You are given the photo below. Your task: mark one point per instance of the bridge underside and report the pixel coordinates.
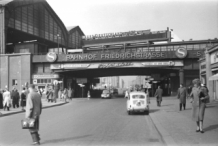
(93, 73)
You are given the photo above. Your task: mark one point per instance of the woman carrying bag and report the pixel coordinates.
(199, 98)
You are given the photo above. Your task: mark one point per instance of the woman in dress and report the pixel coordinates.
(199, 97)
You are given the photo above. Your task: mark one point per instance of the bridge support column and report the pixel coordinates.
(2, 30)
(209, 84)
(181, 76)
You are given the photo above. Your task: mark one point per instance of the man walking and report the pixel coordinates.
(15, 98)
(182, 95)
(33, 110)
(158, 94)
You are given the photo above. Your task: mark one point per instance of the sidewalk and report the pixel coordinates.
(177, 127)
(45, 104)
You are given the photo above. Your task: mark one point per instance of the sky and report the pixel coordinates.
(193, 19)
(189, 19)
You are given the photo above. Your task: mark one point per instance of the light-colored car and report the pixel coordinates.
(106, 94)
(138, 102)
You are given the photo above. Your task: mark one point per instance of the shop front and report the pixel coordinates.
(42, 81)
(209, 71)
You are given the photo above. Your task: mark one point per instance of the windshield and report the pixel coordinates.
(105, 91)
(138, 96)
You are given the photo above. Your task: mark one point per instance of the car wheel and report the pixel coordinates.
(147, 112)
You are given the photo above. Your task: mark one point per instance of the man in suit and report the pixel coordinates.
(158, 94)
(15, 98)
(182, 95)
(33, 111)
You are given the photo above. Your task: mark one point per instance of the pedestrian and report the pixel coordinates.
(50, 95)
(15, 98)
(65, 94)
(182, 95)
(158, 94)
(126, 94)
(88, 94)
(72, 93)
(60, 94)
(33, 111)
(189, 89)
(69, 92)
(7, 99)
(1, 99)
(148, 96)
(208, 99)
(40, 92)
(23, 99)
(199, 96)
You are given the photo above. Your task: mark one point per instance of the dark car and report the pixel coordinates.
(114, 91)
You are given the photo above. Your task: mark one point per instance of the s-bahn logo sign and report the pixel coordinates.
(181, 52)
(51, 57)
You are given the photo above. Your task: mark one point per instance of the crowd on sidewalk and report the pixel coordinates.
(14, 99)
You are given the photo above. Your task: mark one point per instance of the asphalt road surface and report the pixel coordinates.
(84, 122)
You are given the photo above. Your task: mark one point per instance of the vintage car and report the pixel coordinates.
(106, 94)
(138, 102)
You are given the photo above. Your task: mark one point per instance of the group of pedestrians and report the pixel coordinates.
(198, 95)
(13, 98)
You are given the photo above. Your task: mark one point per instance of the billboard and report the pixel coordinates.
(122, 37)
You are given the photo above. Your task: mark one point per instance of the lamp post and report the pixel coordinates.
(58, 41)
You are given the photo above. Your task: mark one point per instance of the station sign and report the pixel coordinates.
(159, 63)
(116, 56)
(81, 80)
(46, 76)
(116, 65)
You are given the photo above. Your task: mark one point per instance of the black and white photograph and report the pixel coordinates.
(109, 72)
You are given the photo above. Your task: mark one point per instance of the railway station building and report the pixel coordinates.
(35, 44)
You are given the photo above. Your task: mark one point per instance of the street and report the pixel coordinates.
(85, 122)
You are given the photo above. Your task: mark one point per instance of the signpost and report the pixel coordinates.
(81, 85)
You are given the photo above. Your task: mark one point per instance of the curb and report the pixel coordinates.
(17, 112)
(167, 138)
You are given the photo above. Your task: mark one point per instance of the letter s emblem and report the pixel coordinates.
(181, 53)
(51, 57)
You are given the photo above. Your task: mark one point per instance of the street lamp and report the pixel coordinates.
(58, 41)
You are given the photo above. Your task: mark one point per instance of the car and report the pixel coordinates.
(106, 94)
(137, 102)
(114, 92)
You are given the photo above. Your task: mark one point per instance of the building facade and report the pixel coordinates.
(209, 71)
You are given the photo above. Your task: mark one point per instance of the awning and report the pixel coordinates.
(214, 77)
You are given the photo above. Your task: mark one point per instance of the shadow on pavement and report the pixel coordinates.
(212, 127)
(154, 110)
(209, 106)
(64, 139)
(167, 105)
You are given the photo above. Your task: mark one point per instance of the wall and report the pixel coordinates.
(16, 66)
